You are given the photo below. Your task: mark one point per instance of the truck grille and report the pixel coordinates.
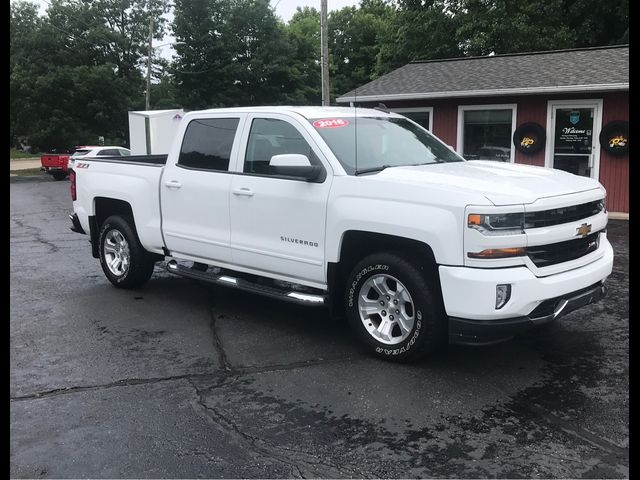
(545, 255)
(558, 216)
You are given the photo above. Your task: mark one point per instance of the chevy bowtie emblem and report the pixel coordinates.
(583, 230)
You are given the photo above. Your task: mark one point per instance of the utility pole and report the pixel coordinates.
(148, 99)
(324, 53)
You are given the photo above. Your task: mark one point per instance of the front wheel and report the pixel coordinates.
(394, 309)
(124, 260)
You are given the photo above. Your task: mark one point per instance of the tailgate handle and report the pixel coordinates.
(244, 192)
(173, 184)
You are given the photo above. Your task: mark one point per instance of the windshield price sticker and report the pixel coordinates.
(330, 123)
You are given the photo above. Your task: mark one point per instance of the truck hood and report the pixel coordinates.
(501, 183)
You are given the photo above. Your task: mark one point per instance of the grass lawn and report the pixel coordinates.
(13, 153)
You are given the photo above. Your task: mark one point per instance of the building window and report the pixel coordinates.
(423, 116)
(485, 132)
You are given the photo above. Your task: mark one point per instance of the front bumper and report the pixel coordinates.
(482, 332)
(469, 295)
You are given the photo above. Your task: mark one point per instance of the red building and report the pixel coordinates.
(566, 109)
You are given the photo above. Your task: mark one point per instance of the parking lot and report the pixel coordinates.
(183, 379)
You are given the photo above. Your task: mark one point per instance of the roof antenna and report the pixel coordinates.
(355, 125)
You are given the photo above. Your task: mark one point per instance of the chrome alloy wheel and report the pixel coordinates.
(116, 253)
(386, 309)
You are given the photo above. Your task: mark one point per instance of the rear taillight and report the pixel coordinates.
(72, 177)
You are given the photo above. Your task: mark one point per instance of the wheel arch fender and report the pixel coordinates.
(358, 244)
(103, 208)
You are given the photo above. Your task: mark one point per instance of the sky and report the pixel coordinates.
(284, 9)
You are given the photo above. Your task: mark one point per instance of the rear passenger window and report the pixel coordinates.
(207, 143)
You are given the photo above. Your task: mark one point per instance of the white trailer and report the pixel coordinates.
(151, 132)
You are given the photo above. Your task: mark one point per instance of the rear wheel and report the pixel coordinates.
(59, 176)
(394, 309)
(124, 260)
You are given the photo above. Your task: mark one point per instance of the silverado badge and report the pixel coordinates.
(583, 230)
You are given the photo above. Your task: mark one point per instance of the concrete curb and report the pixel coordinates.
(618, 216)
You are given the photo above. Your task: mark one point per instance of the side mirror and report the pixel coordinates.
(297, 166)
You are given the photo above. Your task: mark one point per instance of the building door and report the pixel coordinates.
(573, 129)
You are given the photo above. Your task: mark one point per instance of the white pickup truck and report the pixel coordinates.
(361, 210)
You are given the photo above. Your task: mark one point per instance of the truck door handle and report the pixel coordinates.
(173, 184)
(244, 192)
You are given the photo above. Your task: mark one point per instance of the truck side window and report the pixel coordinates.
(269, 137)
(207, 143)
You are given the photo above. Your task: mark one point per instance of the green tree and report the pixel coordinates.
(505, 26)
(356, 35)
(235, 52)
(419, 30)
(303, 31)
(76, 71)
(508, 26)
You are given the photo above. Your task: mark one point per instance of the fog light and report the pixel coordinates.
(503, 294)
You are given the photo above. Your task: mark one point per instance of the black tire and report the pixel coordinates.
(141, 262)
(614, 137)
(59, 176)
(429, 332)
(535, 136)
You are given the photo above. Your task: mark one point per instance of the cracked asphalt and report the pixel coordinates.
(184, 380)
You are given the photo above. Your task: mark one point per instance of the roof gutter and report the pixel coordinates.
(487, 93)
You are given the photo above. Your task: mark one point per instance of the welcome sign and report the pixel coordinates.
(574, 130)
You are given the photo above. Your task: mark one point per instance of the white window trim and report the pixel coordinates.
(597, 128)
(492, 106)
(417, 109)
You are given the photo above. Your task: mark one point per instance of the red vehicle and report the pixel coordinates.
(55, 162)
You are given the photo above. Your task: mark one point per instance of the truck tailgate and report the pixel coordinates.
(53, 160)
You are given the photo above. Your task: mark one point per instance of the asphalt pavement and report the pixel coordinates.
(185, 380)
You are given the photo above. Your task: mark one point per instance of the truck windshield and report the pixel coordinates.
(381, 142)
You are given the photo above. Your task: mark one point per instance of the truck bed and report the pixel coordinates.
(134, 180)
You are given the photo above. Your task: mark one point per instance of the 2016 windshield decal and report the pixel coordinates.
(330, 123)
(298, 241)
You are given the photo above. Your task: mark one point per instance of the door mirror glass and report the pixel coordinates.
(289, 160)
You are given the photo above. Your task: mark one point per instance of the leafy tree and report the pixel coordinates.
(509, 26)
(201, 55)
(235, 52)
(505, 26)
(303, 31)
(419, 29)
(259, 66)
(76, 71)
(597, 23)
(356, 36)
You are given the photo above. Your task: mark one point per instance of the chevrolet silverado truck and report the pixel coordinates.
(359, 210)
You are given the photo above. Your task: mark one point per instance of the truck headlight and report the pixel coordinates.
(497, 223)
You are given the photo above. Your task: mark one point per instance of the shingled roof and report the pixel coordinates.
(558, 71)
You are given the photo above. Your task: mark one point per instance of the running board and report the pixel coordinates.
(225, 280)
